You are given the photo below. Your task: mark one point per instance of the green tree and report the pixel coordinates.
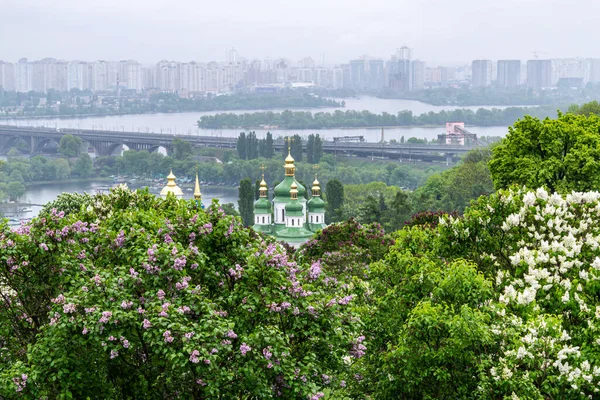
(256, 189)
(317, 149)
(229, 209)
(587, 109)
(15, 190)
(334, 191)
(251, 146)
(70, 146)
(310, 148)
(83, 166)
(145, 285)
(246, 202)
(297, 148)
(61, 168)
(241, 146)
(181, 149)
(269, 151)
(561, 154)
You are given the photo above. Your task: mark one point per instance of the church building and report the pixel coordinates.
(289, 217)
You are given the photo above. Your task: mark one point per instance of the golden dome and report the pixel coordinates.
(171, 187)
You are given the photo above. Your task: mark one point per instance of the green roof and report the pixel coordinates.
(316, 204)
(283, 189)
(262, 206)
(293, 209)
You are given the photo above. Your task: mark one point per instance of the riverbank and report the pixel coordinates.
(85, 116)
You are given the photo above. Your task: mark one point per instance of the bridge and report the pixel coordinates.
(36, 140)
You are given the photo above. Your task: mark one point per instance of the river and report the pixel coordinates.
(43, 193)
(185, 123)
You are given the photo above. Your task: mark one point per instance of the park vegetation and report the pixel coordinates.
(359, 119)
(87, 103)
(128, 295)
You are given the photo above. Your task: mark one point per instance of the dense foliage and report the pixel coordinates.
(135, 296)
(468, 96)
(560, 154)
(356, 119)
(77, 103)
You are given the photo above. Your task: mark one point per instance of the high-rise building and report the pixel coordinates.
(403, 53)
(23, 76)
(358, 74)
(7, 76)
(376, 75)
(167, 76)
(100, 76)
(400, 75)
(418, 75)
(539, 74)
(592, 70)
(481, 73)
(509, 73)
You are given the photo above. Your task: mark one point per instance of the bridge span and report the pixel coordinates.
(37, 139)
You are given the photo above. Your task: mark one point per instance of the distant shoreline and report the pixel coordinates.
(84, 116)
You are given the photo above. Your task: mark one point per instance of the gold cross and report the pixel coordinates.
(316, 168)
(262, 168)
(289, 141)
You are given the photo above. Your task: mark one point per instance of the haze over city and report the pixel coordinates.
(151, 30)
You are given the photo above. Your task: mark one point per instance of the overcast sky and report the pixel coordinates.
(439, 31)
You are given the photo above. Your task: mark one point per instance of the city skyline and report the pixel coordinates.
(186, 30)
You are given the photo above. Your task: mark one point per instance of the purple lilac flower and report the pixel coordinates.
(106, 315)
(231, 334)
(146, 324)
(267, 353)
(315, 270)
(167, 337)
(69, 308)
(244, 348)
(194, 357)
(120, 239)
(113, 354)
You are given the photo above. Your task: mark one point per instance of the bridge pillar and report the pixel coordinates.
(449, 158)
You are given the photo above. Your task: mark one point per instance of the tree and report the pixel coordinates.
(106, 299)
(269, 151)
(317, 149)
(587, 109)
(229, 209)
(15, 190)
(297, 148)
(257, 189)
(246, 202)
(83, 166)
(241, 146)
(62, 169)
(181, 149)
(310, 148)
(251, 146)
(70, 146)
(334, 191)
(560, 154)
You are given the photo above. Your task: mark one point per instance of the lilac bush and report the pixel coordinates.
(129, 295)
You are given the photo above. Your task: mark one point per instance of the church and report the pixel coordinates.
(289, 217)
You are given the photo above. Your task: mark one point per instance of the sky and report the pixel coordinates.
(440, 32)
